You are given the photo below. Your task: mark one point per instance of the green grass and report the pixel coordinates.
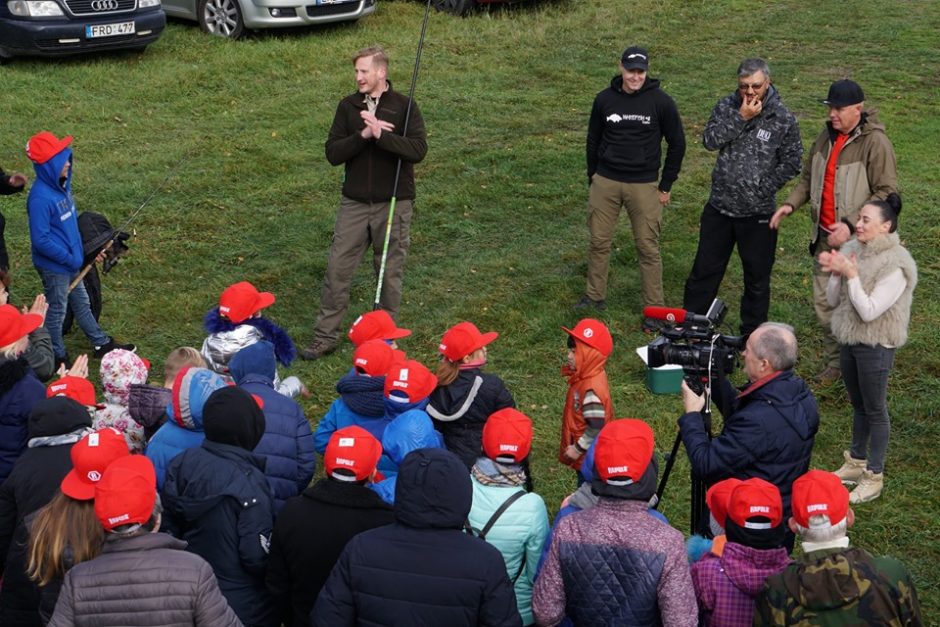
(499, 236)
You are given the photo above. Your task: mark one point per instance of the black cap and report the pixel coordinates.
(844, 93)
(635, 58)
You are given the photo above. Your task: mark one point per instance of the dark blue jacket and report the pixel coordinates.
(54, 237)
(422, 570)
(19, 391)
(768, 433)
(218, 500)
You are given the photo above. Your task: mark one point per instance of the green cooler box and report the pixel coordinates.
(662, 380)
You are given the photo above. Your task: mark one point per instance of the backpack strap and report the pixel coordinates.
(500, 511)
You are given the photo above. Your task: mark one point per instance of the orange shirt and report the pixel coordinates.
(827, 212)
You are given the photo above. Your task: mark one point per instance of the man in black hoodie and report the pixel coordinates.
(624, 148)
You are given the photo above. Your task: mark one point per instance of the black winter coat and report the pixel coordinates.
(310, 533)
(218, 500)
(19, 391)
(422, 570)
(460, 410)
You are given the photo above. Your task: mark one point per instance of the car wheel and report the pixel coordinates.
(457, 7)
(221, 17)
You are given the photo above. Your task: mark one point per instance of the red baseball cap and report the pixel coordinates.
(15, 325)
(819, 493)
(462, 339)
(375, 325)
(375, 357)
(90, 457)
(75, 388)
(352, 454)
(44, 146)
(410, 379)
(718, 496)
(126, 492)
(242, 300)
(595, 334)
(755, 498)
(507, 436)
(623, 451)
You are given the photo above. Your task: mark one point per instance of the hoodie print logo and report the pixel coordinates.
(65, 209)
(764, 135)
(616, 118)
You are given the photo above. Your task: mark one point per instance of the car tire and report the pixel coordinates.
(221, 17)
(456, 7)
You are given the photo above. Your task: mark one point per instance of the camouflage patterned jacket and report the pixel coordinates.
(834, 587)
(755, 157)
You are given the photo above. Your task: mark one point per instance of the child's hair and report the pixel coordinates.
(571, 342)
(180, 358)
(447, 371)
(65, 523)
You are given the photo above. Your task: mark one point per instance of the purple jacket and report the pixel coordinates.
(726, 586)
(614, 564)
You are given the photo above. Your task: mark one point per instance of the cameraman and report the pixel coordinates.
(769, 425)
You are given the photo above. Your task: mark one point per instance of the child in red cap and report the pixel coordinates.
(376, 325)
(588, 406)
(466, 396)
(237, 322)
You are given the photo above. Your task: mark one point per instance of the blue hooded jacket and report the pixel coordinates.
(55, 240)
(287, 443)
(183, 429)
(361, 403)
(408, 432)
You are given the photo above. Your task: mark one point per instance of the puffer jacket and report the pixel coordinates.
(615, 565)
(183, 430)
(147, 406)
(20, 390)
(422, 570)
(54, 426)
(218, 500)
(54, 238)
(408, 432)
(39, 354)
(768, 433)
(726, 586)
(119, 370)
(461, 408)
(142, 581)
(361, 403)
(287, 443)
(756, 157)
(519, 534)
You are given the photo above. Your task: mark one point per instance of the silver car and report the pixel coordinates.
(230, 18)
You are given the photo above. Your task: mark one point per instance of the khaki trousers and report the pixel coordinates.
(830, 348)
(359, 225)
(641, 201)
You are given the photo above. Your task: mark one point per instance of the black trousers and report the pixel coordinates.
(757, 245)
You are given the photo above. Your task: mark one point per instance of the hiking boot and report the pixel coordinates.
(868, 488)
(652, 325)
(586, 302)
(828, 376)
(101, 351)
(316, 350)
(851, 470)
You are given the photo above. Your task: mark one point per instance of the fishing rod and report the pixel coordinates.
(404, 133)
(117, 232)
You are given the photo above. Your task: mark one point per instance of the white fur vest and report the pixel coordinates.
(875, 260)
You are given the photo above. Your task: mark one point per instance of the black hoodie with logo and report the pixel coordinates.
(625, 134)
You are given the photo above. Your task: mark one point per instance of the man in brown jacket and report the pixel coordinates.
(142, 578)
(851, 163)
(369, 137)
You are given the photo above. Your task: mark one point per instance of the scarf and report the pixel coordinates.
(488, 472)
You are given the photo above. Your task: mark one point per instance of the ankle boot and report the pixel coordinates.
(851, 470)
(868, 488)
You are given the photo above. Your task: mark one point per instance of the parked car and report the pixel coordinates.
(230, 18)
(65, 27)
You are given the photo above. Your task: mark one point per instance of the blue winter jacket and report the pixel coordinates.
(361, 403)
(422, 570)
(20, 390)
(768, 433)
(55, 241)
(183, 429)
(408, 432)
(518, 533)
(287, 444)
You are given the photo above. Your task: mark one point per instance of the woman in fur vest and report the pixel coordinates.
(873, 278)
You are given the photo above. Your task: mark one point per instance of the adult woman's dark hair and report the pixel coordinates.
(890, 209)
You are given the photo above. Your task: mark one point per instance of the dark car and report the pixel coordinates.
(65, 27)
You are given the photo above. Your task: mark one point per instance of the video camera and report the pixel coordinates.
(692, 341)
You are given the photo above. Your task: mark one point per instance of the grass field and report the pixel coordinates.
(499, 236)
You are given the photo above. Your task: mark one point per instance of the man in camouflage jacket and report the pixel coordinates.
(834, 584)
(759, 150)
